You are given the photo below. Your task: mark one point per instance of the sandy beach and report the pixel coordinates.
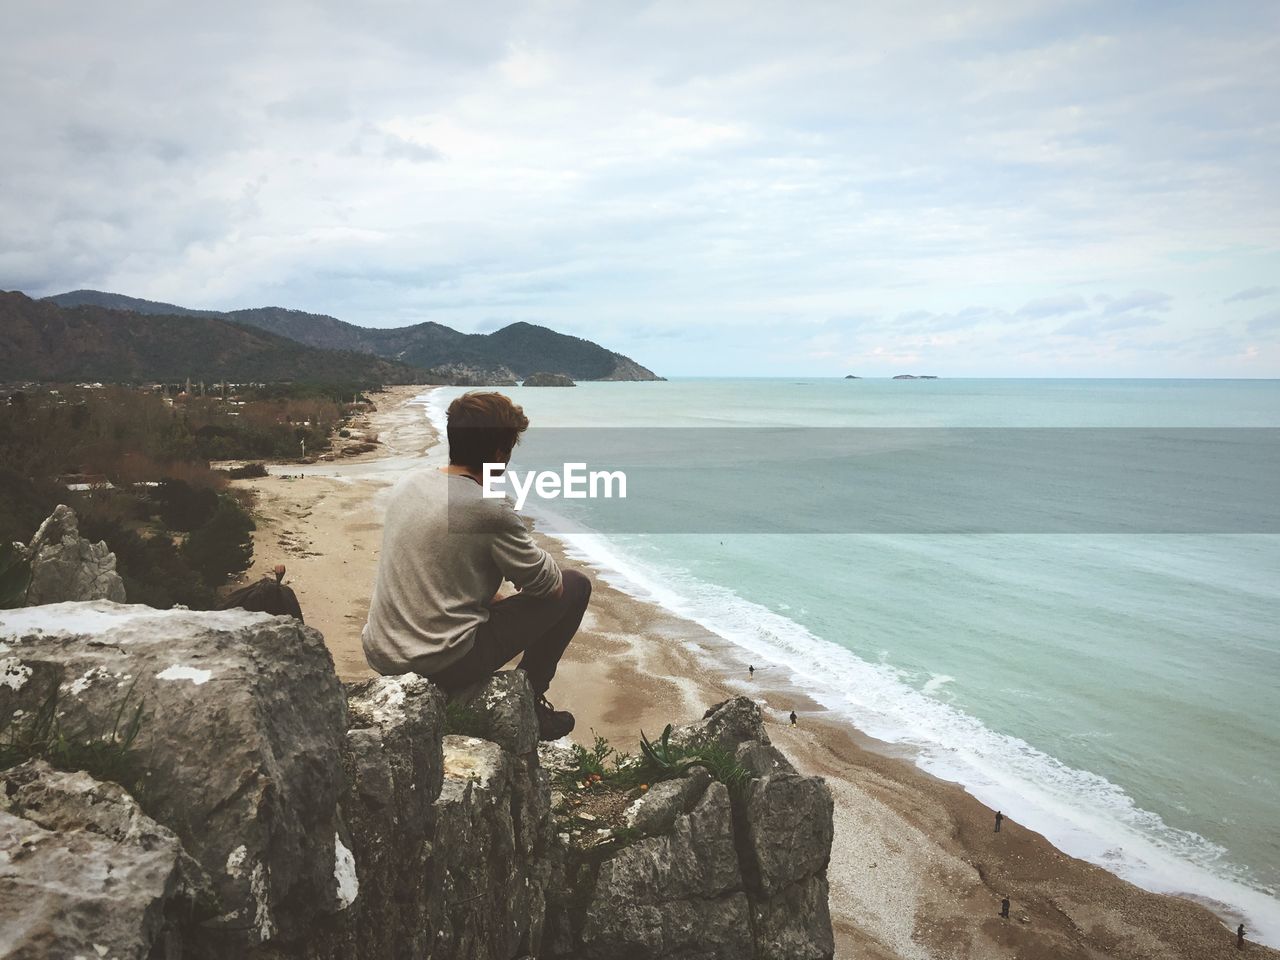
(917, 870)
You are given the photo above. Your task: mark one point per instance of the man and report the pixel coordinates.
(446, 550)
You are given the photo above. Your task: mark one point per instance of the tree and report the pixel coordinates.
(182, 506)
(153, 569)
(224, 545)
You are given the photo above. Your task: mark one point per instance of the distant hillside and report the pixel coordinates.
(116, 301)
(44, 341)
(524, 348)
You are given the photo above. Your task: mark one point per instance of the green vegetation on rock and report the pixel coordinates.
(104, 752)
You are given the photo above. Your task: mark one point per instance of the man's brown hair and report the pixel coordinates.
(481, 425)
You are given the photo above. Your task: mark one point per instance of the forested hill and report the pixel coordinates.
(44, 341)
(524, 348)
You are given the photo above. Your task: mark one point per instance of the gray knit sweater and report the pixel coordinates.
(445, 551)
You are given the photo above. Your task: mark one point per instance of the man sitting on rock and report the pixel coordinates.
(446, 549)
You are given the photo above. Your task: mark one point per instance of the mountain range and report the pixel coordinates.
(519, 348)
(43, 341)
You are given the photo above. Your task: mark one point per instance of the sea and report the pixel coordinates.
(1118, 692)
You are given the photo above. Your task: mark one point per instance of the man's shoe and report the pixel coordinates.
(552, 723)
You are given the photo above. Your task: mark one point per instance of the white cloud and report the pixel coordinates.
(1252, 293)
(1136, 301)
(624, 171)
(1054, 306)
(1266, 324)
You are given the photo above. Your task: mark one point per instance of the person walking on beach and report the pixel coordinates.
(1004, 908)
(751, 670)
(1240, 937)
(794, 718)
(446, 549)
(999, 820)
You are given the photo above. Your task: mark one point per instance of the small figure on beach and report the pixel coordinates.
(794, 718)
(751, 669)
(1240, 937)
(1004, 908)
(999, 820)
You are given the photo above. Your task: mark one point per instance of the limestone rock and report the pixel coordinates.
(394, 768)
(556, 757)
(762, 759)
(728, 724)
(494, 903)
(503, 705)
(795, 924)
(677, 895)
(84, 872)
(656, 811)
(238, 749)
(787, 822)
(395, 725)
(65, 566)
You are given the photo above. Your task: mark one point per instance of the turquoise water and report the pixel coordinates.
(1118, 693)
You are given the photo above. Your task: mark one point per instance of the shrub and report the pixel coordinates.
(663, 760)
(182, 506)
(249, 471)
(24, 503)
(593, 761)
(658, 760)
(154, 571)
(15, 577)
(224, 545)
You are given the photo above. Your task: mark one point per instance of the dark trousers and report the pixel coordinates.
(541, 627)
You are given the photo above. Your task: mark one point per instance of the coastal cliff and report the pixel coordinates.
(234, 799)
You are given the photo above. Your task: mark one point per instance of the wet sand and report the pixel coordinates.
(917, 870)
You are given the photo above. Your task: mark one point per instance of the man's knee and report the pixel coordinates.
(577, 586)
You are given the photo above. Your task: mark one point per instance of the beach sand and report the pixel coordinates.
(916, 871)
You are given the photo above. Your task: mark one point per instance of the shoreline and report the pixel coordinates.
(916, 869)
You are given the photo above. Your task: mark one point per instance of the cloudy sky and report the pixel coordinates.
(998, 187)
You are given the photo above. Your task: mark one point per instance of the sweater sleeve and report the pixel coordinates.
(523, 562)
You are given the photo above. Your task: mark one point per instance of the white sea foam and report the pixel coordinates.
(936, 683)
